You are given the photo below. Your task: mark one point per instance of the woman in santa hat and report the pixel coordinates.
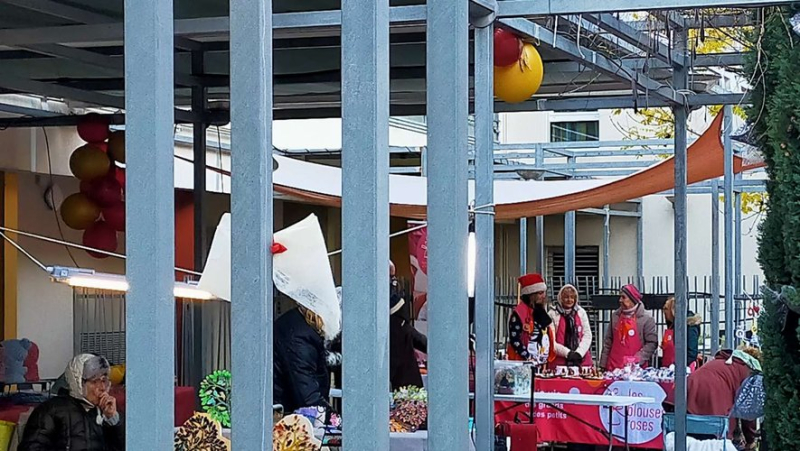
(572, 330)
(530, 328)
(632, 337)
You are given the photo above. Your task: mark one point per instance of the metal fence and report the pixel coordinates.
(700, 303)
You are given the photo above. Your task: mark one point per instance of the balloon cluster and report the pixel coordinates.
(518, 68)
(99, 207)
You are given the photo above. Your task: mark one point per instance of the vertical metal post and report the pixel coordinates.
(484, 234)
(447, 104)
(365, 222)
(606, 248)
(523, 246)
(737, 259)
(640, 241)
(730, 305)
(199, 147)
(569, 247)
(252, 304)
(714, 266)
(681, 257)
(541, 265)
(150, 316)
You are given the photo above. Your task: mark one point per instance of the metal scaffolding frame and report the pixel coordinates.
(61, 50)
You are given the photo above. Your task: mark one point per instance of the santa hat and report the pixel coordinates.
(632, 292)
(531, 283)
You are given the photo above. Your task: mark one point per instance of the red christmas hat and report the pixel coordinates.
(531, 283)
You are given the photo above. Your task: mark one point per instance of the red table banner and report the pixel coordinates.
(583, 424)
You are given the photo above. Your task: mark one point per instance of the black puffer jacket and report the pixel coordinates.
(301, 377)
(63, 424)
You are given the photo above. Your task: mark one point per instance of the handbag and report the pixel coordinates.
(750, 398)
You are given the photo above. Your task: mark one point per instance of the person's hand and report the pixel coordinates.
(574, 359)
(108, 405)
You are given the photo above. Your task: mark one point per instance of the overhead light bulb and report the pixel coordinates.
(82, 278)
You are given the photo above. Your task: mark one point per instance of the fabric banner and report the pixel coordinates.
(418, 254)
(582, 424)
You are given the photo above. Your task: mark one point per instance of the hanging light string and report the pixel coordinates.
(393, 235)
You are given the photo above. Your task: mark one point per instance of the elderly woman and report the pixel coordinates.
(693, 323)
(85, 418)
(573, 332)
(632, 336)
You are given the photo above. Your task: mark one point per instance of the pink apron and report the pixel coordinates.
(626, 345)
(561, 339)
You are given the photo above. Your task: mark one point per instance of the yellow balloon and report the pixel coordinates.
(518, 82)
(117, 374)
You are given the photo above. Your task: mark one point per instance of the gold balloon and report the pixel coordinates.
(117, 374)
(518, 82)
(116, 145)
(89, 162)
(79, 212)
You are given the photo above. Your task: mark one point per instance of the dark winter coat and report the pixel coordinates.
(64, 424)
(301, 377)
(404, 340)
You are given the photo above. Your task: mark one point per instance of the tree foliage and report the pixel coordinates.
(775, 113)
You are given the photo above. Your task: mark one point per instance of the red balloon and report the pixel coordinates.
(93, 128)
(119, 174)
(105, 191)
(507, 48)
(115, 216)
(100, 236)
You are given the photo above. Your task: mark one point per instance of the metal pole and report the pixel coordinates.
(569, 247)
(523, 246)
(606, 247)
(484, 234)
(199, 147)
(715, 266)
(640, 242)
(681, 258)
(730, 305)
(252, 304)
(447, 105)
(541, 265)
(737, 259)
(150, 315)
(365, 222)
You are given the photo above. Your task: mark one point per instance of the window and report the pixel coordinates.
(587, 269)
(574, 131)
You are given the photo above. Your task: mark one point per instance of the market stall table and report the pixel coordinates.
(586, 421)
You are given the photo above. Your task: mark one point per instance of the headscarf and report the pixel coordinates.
(82, 368)
(571, 338)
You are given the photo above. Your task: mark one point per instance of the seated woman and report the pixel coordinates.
(632, 336)
(573, 332)
(693, 323)
(84, 418)
(711, 390)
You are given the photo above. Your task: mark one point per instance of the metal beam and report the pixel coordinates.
(523, 246)
(681, 113)
(606, 247)
(251, 223)
(591, 102)
(484, 238)
(527, 8)
(54, 90)
(199, 98)
(727, 126)
(541, 266)
(150, 315)
(715, 307)
(365, 222)
(627, 33)
(591, 58)
(569, 247)
(285, 26)
(640, 242)
(447, 105)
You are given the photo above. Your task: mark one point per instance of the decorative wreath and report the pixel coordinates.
(215, 396)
